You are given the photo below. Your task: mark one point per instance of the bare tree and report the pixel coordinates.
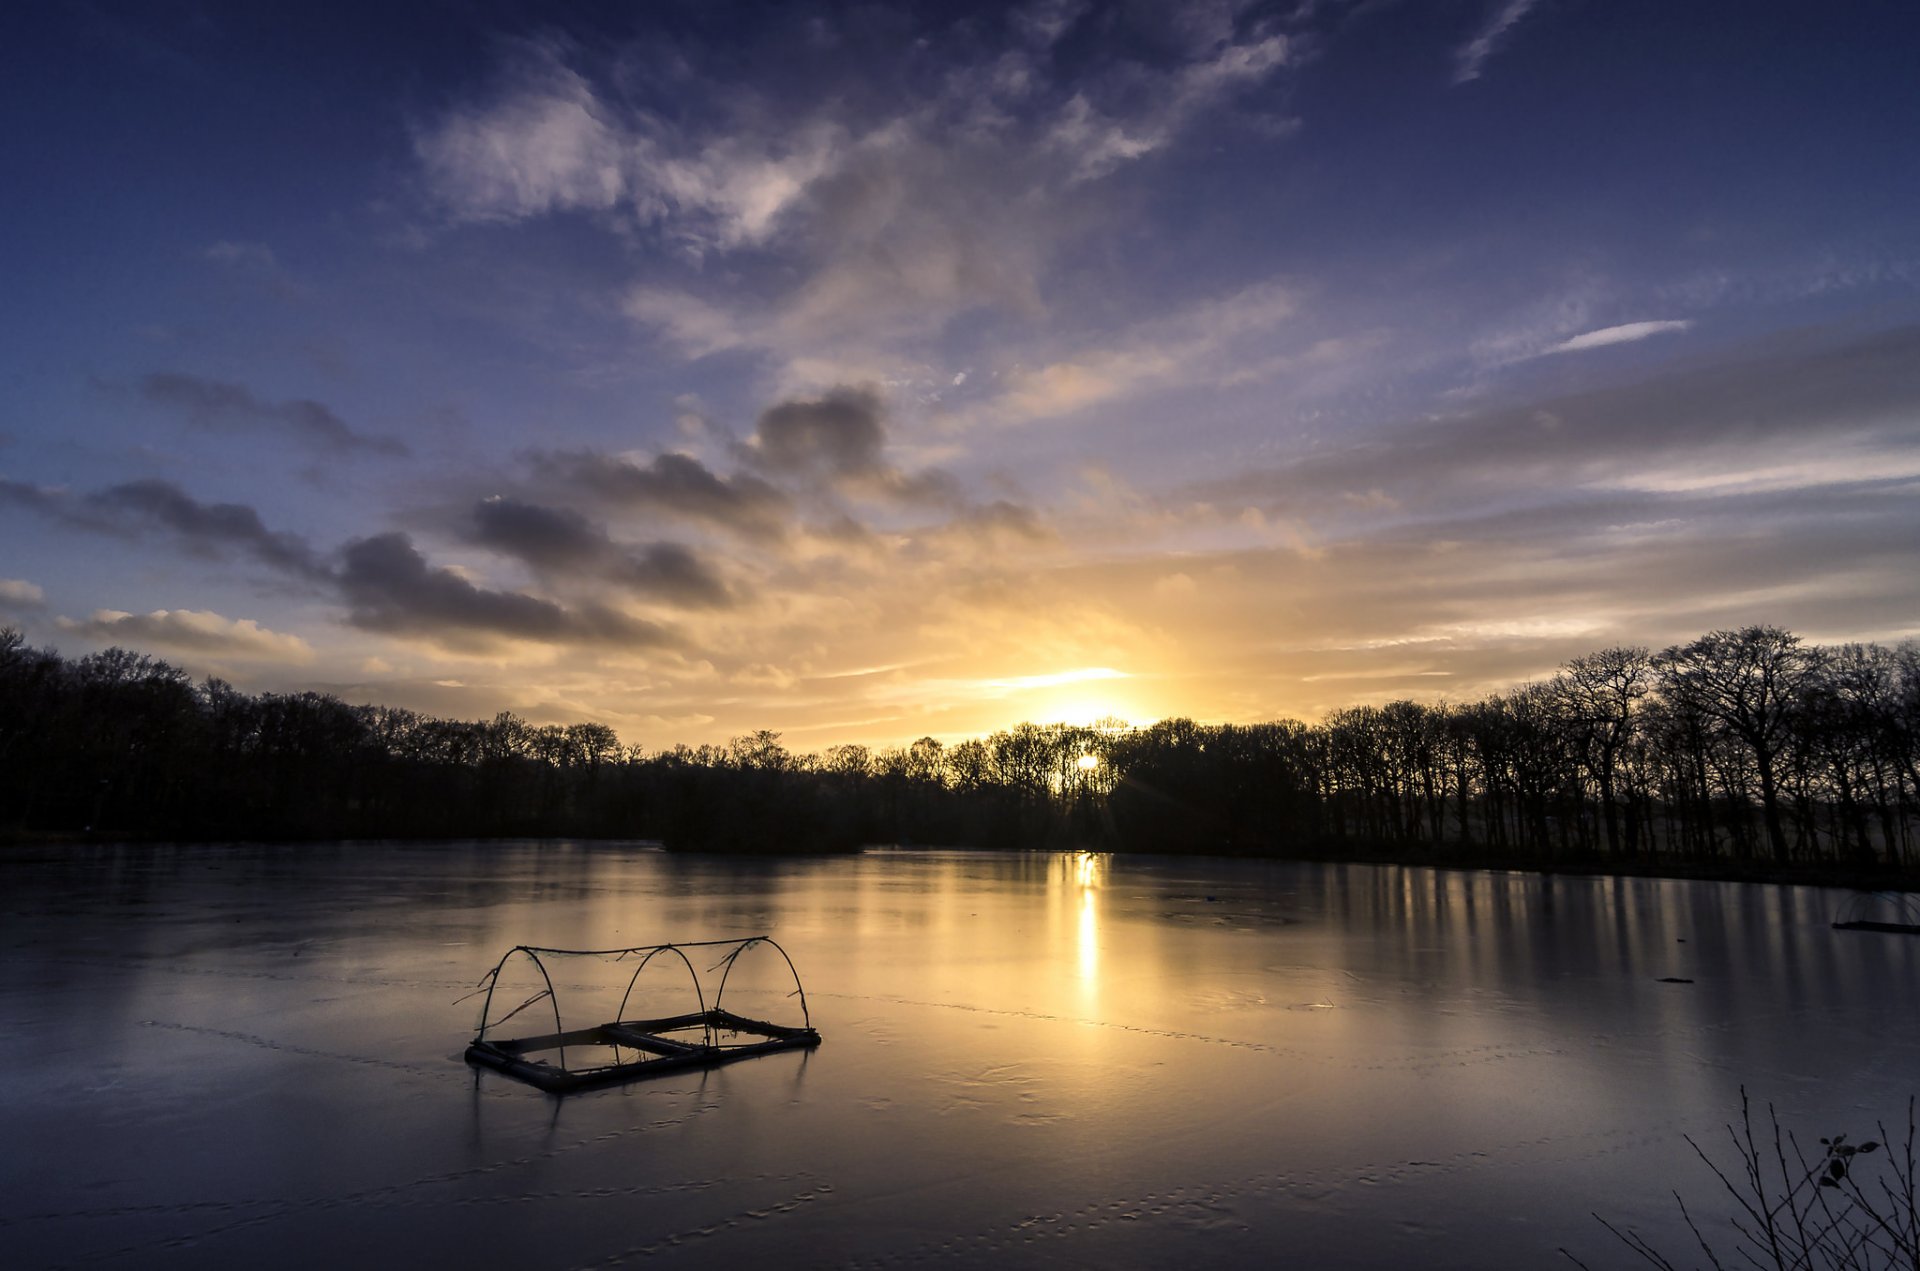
(1745, 681)
(1602, 693)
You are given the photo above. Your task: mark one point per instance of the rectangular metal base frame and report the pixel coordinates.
(647, 1037)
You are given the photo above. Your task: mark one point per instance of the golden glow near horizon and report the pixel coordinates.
(1079, 676)
(1064, 697)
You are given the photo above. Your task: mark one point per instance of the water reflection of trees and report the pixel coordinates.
(1741, 745)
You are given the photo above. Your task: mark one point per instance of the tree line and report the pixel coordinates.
(1746, 746)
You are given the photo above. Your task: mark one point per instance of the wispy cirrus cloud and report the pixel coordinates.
(1216, 341)
(1824, 413)
(864, 222)
(549, 140)
(1094, 143)
(1625, 333)
(1471, 58)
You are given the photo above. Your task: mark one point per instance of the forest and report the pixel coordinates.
(1746, 748)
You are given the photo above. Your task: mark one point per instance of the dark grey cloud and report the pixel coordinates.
(205, 527)
(389, 587)
(841, 438)
(34, 497)
(1005, 517)
(840, 434)
(134, 508)
(673, 571)
(548, 538)
(561, 541)
(672, 484)
(214, 404)
(385, 582)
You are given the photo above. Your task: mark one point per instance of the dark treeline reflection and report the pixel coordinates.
(1743, 746)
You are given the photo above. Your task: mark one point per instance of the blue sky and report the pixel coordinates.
(870, 371)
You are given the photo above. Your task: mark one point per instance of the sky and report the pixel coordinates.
(864, 372)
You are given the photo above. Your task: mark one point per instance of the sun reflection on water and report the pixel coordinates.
(1089, 871)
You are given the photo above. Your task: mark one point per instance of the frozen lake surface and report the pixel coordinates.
(251, 1055)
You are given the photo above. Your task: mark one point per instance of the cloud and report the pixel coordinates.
(47, 500)
(1095, 144)
(1834, 404)
(1221, 341)
(386, 584)
(551, 538)
(545, 144)
(201, 527)
(17, 593)
(997, 526)
(1470, 58)
(192, 631)
(698, 327)
(944, 180)
(722, 166)
(390, 587)
(1623, 334)
(672, 484)
(563, 542)
(839, 439)
(839, 434)
(133, 508)
(214, 404)
(550, 142)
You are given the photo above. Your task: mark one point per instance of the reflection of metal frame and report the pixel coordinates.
(700, 1038)
(1853, 915)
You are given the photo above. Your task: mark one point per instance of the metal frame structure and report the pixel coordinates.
(660, 1045)
(1904, 910)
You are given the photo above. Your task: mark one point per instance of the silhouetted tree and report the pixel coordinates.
(1744, 681)
(1741, 743)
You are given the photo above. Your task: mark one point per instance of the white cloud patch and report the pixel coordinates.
(194, 632)
(1208, 342)
(18, 593)
(1095, 143)
(1470, 58)
(852, 225)
(1626, 333)
(550, 142)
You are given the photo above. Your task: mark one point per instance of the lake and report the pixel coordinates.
(252, 1055)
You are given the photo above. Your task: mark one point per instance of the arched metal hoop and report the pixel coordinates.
(806, 1019)
(699, 994)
